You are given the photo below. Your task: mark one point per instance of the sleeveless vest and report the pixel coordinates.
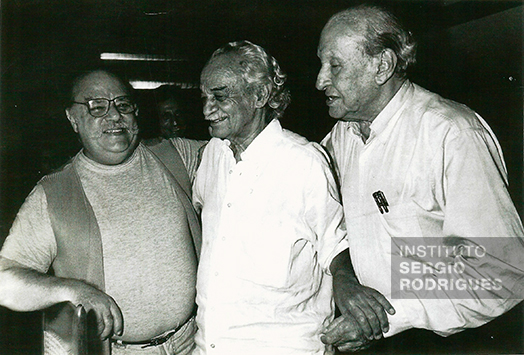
(77, 234)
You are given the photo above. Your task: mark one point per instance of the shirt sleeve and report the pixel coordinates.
(31, 240)
(190, 151)
(470, 185)
(324, 212)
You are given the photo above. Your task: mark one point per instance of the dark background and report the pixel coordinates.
(469, 51)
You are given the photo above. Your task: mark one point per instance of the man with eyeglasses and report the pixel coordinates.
(117, 229)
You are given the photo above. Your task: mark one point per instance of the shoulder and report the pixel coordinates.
(301, 148)
(338, 134)
(57, 175)
(187, 144)
(213, 146)
(436, 110)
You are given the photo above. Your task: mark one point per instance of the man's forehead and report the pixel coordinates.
(338, 38)
(223, 70)
(100, 84)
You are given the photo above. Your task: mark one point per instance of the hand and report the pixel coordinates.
(108, 315)
(366, 306)
(345, 334)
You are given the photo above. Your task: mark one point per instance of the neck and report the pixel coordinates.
(240, 144)
(388, 91)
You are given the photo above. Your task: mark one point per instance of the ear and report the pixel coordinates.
(386, 67)
(261, 96)
(71, 119)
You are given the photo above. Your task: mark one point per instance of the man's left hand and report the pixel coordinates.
(345, 334)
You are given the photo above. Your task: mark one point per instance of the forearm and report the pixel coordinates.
(23, 289)
(342, 269)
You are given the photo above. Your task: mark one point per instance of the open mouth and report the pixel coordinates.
(116, 131)
(218, 120)
(331, 99)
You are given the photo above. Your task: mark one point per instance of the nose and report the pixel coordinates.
(209, 106)
(322, 78)
(112, 113)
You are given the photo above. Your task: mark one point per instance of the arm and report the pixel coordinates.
(191, 153)
(24, 289)
(27, 254)
(478, 211)
(363, 309)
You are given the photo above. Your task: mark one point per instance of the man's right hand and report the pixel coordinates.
(360, 305)
(367, 306)
(108, 315)
(25, 289)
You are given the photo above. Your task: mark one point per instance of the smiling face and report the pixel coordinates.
(232, 109)
(347, 75)
(109, 139)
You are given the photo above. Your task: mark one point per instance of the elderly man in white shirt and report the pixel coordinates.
(431, 225)
(272, 219)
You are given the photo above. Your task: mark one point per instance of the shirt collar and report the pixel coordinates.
(384, 117)
(117, 167)
(267, 139)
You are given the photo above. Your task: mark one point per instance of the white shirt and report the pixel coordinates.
(272, 223)
(442, 173)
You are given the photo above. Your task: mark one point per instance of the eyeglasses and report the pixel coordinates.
(100, 107)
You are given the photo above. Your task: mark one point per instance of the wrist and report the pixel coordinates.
(345, 276)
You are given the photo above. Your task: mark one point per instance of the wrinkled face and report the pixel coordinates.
(229, 107)
(172, 119)
(347, 74)
(109, 139)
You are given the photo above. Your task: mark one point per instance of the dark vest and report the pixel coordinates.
(79, 244)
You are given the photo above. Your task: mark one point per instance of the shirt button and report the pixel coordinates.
(230, 172)
(212, 345)
(223, 238)
(216, 273)
(229, 205)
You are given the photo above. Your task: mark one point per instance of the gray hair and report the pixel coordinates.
(260, 69)
(381, 30)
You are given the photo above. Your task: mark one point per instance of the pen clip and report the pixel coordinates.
(380, 200)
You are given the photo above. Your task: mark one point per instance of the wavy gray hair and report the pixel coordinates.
(381, 30)
(260, 68)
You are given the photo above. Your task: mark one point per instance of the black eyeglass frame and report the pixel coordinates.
(89, 104)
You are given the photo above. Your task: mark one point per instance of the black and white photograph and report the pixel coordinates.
(261, 177)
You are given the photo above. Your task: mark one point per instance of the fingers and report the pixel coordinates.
(345, 334)
(368, 322)
(109, 320)
(384, 302)
(380, 307)
(342, 330)
(369, 308)
(331, 326)
(353, 346)
(118, 319)
(105, 325)
(367, 313)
